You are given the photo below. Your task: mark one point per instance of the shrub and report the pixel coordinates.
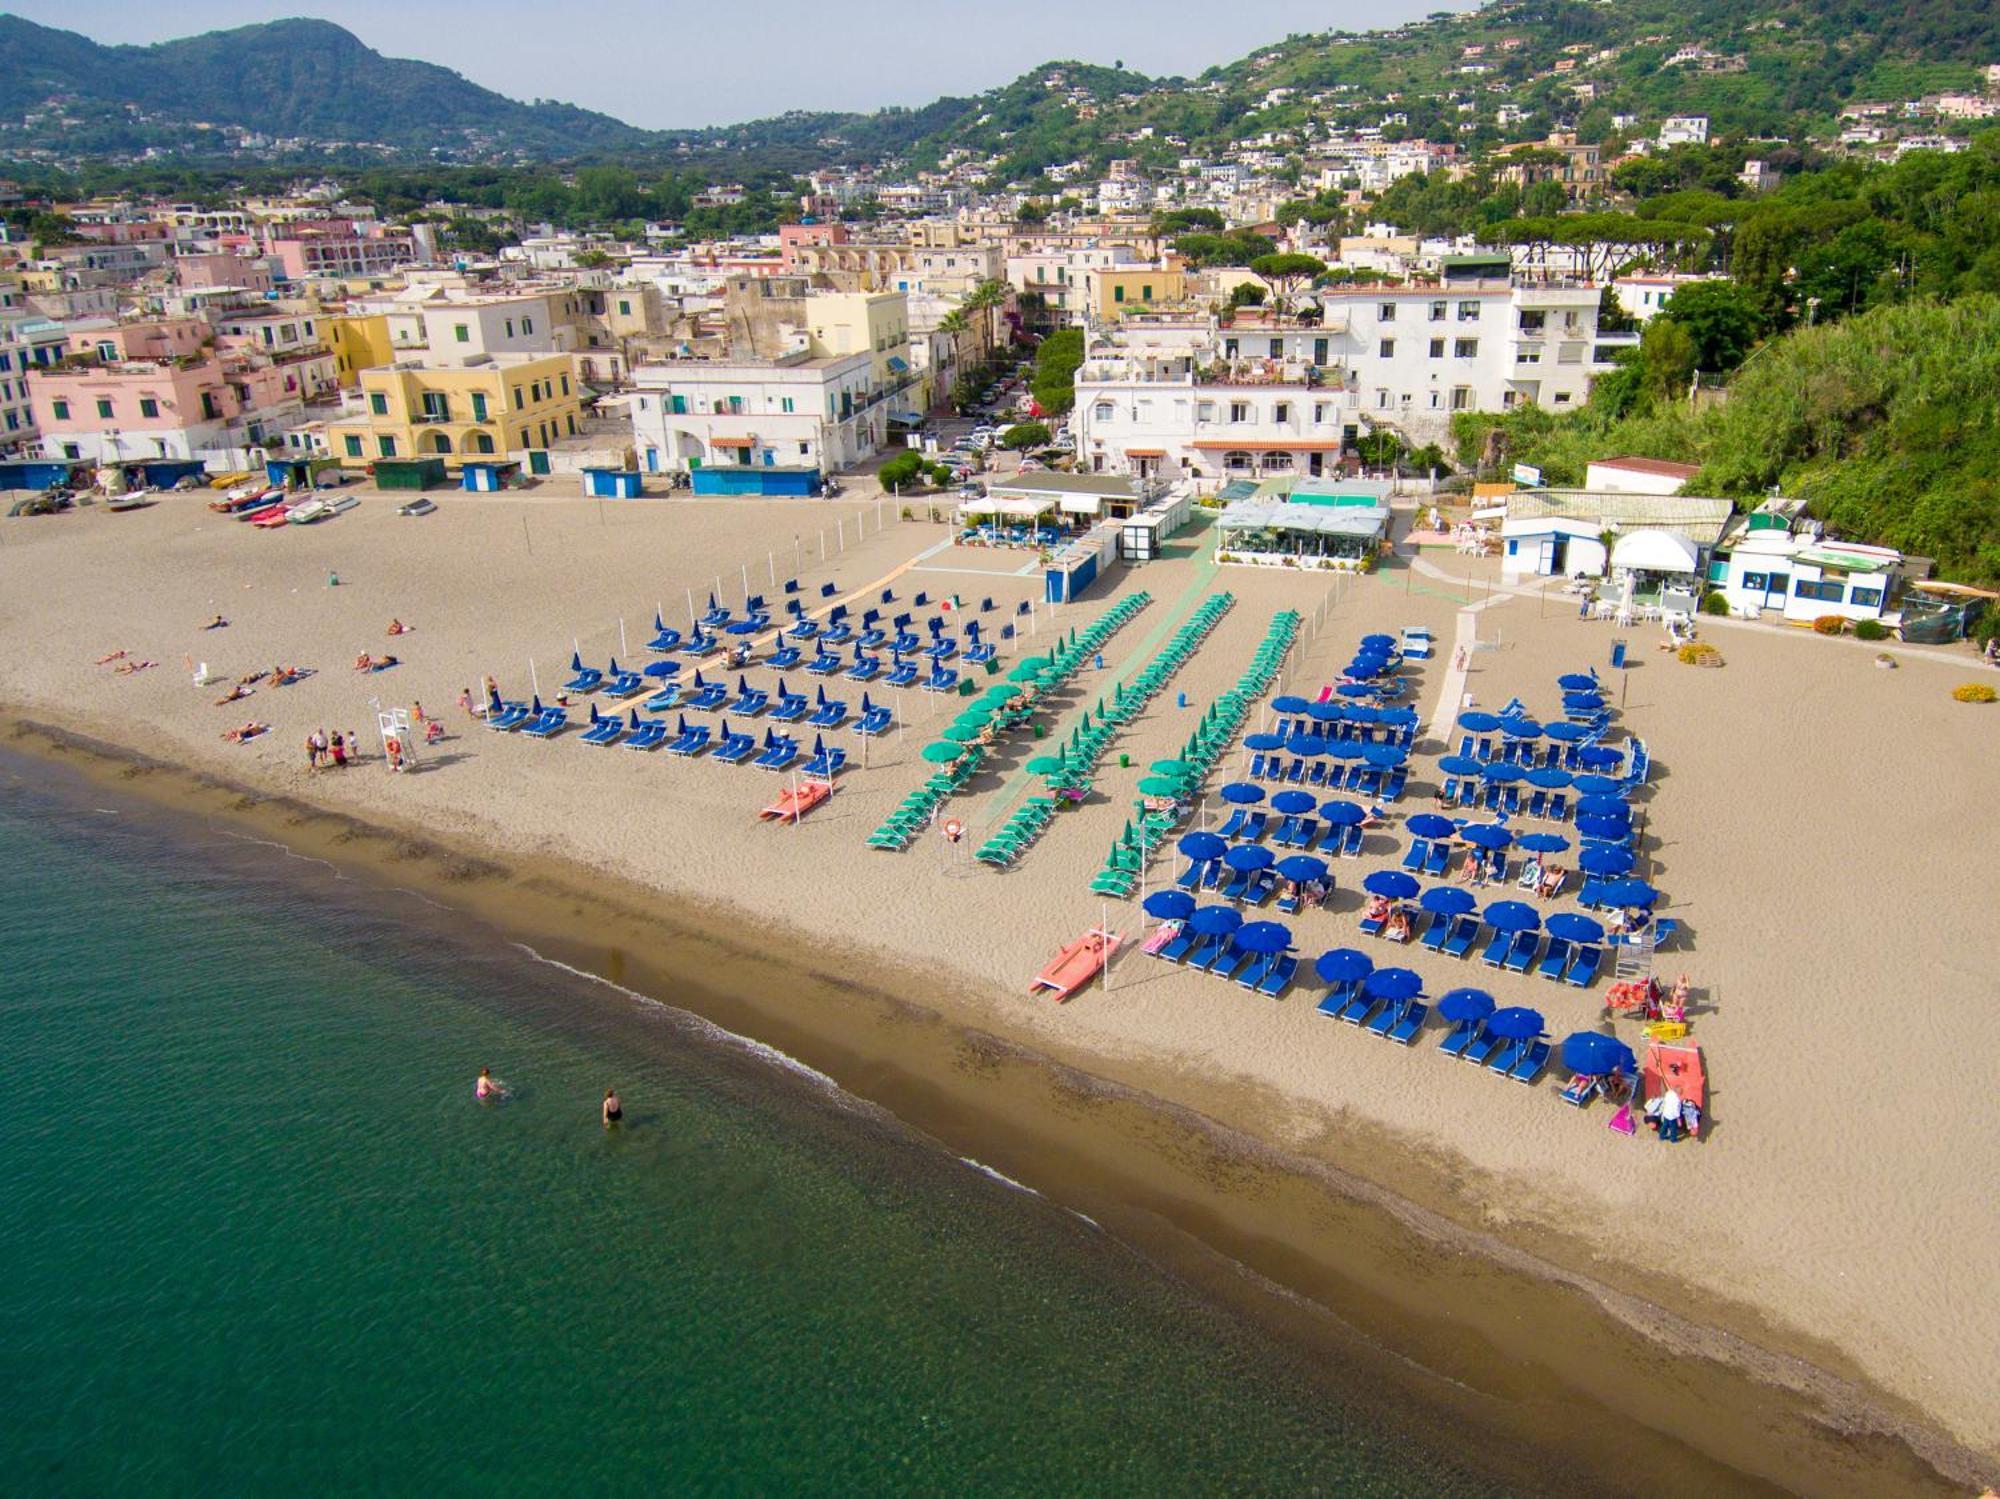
(900, 471)
(1870, 629)
(1699, 653)
(1717, 602)
(1025, 435)
(1829, 624)
(1975, 692)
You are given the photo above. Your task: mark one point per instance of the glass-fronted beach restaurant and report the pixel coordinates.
(1292, 522)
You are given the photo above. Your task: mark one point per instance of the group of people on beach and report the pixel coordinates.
(489, 1089)
(331, 753)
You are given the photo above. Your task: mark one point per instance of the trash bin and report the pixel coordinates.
(1124, 762)
(1099, 661)
(1618, 655)
(1180, 699)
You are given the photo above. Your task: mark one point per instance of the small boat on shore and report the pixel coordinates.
(795, 801)
(307, 513)
(1077, 964)
(137, 499)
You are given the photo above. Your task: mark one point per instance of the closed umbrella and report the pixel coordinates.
(1448, 900)
(1248, 857)
(1544, 843)
(1577, 681)
(1486, 835)
(1606, 862)
(1264, 936)
(1214, 921)
(1573, 926)
(1461, 765)
(1512, 916)
(1203, 846)
(1597, 785)
(1479, 723)
(1631, 893)
(942, 753)
(1292, 803)
(1343, 965)
(1595, 1054)
(1342, 814)
(1264, 743)
(1431, 825)
(1515, 1023)
(1170, 905)
(1393, 983)
(1390, 883)
(1242, 792)
(1301, 867)
(1549, 777)
(1465, 1004)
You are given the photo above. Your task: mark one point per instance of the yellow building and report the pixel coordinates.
(1116, 290)
(359, 342)
(503, 405)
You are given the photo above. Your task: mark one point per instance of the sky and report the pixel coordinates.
(669, 63)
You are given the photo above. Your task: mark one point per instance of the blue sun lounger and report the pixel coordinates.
(1251, 974)
(700, 643)
(736, 746)
(1504, 1056)
(1555, 959)
(1521, 952)
(1479, 1048)
(1436, 934)
(1330, 1003)
(942, 679)
(664, 640)
(1207, 951)
(1495, 955)
(901, 674)
(1439, 861)
(605, 728)
(1420, 852)
(1278, 977)
(785, 658)
(691, 741)
(830, 714)
(1190, 878)
(876, 719)
(1404, 1031)
(865, 668)
(1385, 1018)
(825, 664)
(622, 684)
(791, 706)
(1180, 945)
(1458, 1038)
(667, 697)
(1371, 926)
(513, 715)
(587, 678)
(779, 752)
(750, 701)
(827, 761)
(708, 696)
(551, 723)
(1582, 970)
(1529, 1066)
(649, 735)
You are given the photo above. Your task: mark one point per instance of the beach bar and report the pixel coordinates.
(1305, 529)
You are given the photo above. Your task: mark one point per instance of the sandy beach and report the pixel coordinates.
(1820, 827)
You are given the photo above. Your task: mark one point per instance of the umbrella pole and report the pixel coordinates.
(1104, 928)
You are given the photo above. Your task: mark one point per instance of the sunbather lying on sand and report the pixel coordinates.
(114, 656)
(126, 668)
(397, 627)
(216, 624)
(234, 694)
(248, 732)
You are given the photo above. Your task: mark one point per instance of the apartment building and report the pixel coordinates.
(488, 404)
(772, 418)
(126, 409)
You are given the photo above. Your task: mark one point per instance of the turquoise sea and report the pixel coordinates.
(257, 1237)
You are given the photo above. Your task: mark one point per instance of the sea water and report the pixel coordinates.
(256, 1235)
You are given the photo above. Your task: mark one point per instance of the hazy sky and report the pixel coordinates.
(672, 62)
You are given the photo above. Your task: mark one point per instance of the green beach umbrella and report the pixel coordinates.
(1170, 767)
(976, 716)
(1048, 765)
(1027, 670)
(1160, 786)
(963, 733)
(943, 752)
(1003, 693)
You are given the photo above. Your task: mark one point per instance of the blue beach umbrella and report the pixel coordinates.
(1603, 806)
(1302, 867)
(1362, 713)
(1544, 843)
(1512, 916)
(1582, 702)
(1326, 712)
(1573, 926)
(1465, 1004)
(1364, 667)
(1215, 921)
(662, 669)
(1170, 905)
(1345, 749)
(1486, 835)
(1379, 641)
(1264, 936)
(1520, 728)
(1393, 983)
(1384, 756)
(1596, 785)
(1343, 965)
(1242, 792)
(1448, 900)
(1605, 829)
(1600, 756)
(1264, 742)
(1246, 857)
(1515, 1023)
(1461, 765)
(1399, 717)
(1594, 1054)
(1431, 825)
(1343, 814)
(1355, 689)
(1203, 846)
(1577, 681)
(1549, 777)
(1569, 733)
(1500, 772)
(1290, 704)
(1631, 893)
(1310, 745)
(1479, 723)
(1607, 862)
(1292, 803)
(1391, 883)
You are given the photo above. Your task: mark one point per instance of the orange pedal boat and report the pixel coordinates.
(795, 801)
(1077, 964)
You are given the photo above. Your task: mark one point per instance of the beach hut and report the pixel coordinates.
(487, 477)
(611, 483)
(408, 473)
(754, 479)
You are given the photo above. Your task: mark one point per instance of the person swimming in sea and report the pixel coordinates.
(613, 1109)
(488, 1089)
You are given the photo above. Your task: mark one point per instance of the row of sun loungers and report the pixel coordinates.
(1269, 974)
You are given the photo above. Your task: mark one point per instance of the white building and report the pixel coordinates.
(1638, 476)
(1643, 296)
(793, 413)
(1798, 578)
(1684, 130)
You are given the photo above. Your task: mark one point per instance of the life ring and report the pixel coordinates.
(953, 830)
(393, 746)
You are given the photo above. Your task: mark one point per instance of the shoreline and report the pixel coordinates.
(1494, 1330)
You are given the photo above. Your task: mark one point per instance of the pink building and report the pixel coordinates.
(127, 410)
(168, 338)
(222, 270)
(307, 250)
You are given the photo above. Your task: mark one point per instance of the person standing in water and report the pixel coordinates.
(613, 1109)
(487, 1089)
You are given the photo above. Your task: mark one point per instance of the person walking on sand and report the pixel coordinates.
(337, 747)
(312, 753)
(613, 1109)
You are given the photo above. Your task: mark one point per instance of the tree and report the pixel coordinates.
(1031, 212)
(1024, 435)
(1285, 274)
(1246, 294)
(1722, 319)
(1053, 383)
(1180, 220)
(900, 471)
(1666, 357)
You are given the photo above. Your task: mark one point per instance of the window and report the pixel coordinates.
(527, 325)
(1102, 411)
(461, 333)
(1562, 398)
(1508, 398)
(805, 449)
(1239, 411)
(517, 398)
(1319, 351)
(1282, 412)
(1826, 593)
(1204, 411)
(1388, 350)
(209, 410)
(1461, 398)
(352, 444)
(1438, 310)
(148, 407)
(1146, 292)
(1465, 348)
(1237, 462)
(785, 404)
(1382, 400)
(1778, 583)
(1753, 582)
(524, 438)
(437, 405)
(572, 424)
(104, 408)
(1437, 399)
(62, 411)
(378, 403)
(1117, 293)
(565, 384)
(1277, 348)
(479, 405)
(1437, 348)
(1386, 311)
(1230, 348)
(510, 327)
(1531, 322)
(1319, 413)
(1468, 312)
(624, 307)
(386, 446)
(1528, 356)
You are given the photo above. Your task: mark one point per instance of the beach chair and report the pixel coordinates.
(1478, 1047)
(586, 678)
(941, 679)
(735, 747)
(1371, 926)
(1504, 1056)
(803, 628)
(1582, 970)
(827, 762)
(1404, 1031)
(701, 643)
(551, 723)
(1496, 950)
(1330, 1003)
(1531, 1063)
(1439, 860)
(1357, 1004)
(708, 696)
(1418, 856)
(831, 713)
(622, 684)
(942, 649)
(1251, 974)
(790, 707)
(1464, 932)
(1182, 943)
(1521, 952)
(1384, 1019)
(901, 674)
(865, 668)
(1579, 1090)
(779, 752)
(665, 640)
(1278, 977)
(717, 616)
(750, 701)
(512, 715)
(604, 728)
(648, 734)
(875, 720)
(1555, 959)
(825, 664)
(1350, 841)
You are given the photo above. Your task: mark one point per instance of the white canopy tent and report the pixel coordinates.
(1019, 507)
(1650, 551)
